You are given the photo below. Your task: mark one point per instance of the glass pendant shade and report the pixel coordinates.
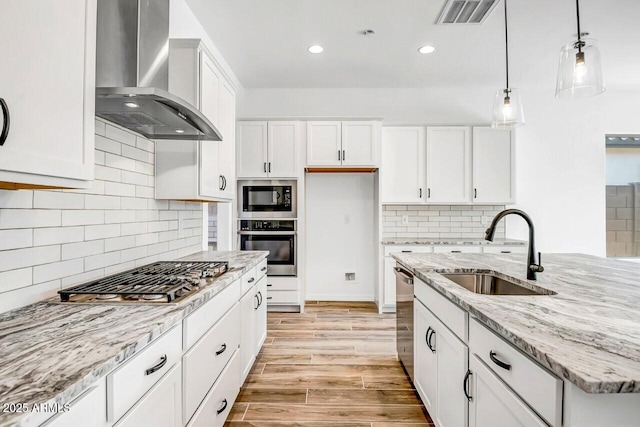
(580, 70)
(507, 109)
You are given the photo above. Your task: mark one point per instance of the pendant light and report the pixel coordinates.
(580, 68)
(507, 106)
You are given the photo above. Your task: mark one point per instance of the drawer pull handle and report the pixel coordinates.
(222, 349)
(255, 307)
(263, 269)
(269, 297)
(430, 333)
(224, 406)
(269, 285)
(456, 252)
(494, 359)
(151, 370)
(6, 121)
(253, 279)
(465, 385)
(505, 252)
(406, 252)
(260, 296)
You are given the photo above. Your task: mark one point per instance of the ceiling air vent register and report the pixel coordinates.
(466, 11)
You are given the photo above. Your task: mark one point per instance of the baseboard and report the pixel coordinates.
(339, 297)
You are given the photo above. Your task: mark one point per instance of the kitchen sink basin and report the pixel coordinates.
(489, 284)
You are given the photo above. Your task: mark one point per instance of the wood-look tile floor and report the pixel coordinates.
(334, 365)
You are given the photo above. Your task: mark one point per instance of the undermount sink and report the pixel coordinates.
(490, 284)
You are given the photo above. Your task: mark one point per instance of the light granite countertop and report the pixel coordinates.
(449, 241)
(51, 352)
(589, 333)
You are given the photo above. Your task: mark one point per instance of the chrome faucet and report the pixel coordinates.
(533, 267)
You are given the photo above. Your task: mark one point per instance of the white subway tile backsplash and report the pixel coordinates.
(20, 258)
(29, 218)
(437, 221)
(85, 217)
(54, 239)
(93, 232)
(57, 200)
(82, 249)
(55, 235)
(15, 239)
(57, 270)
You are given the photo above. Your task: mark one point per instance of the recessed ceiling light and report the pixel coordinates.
(131, 105)
(179, 131)
(315, 49)
(427, 49)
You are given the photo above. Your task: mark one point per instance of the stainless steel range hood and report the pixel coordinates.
(132, 73)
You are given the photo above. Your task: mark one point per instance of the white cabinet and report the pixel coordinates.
(448, 164)
(88, 410)
(161, 407)
(261, 315)
(268, 149)
(455, 165)
(198, 170)
(402, 165)
(347, 143)
(248, 306)
(47, 80)
(492, 404)
(441, 361)
(461, 249)
(389, 291)
(493, 158)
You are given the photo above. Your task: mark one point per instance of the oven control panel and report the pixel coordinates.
(267, 225)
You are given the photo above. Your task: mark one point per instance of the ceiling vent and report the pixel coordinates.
(466, 11)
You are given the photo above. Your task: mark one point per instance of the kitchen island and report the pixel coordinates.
(52, 352)
(587, 333)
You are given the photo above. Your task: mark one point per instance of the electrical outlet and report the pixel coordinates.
(347, 219)
(405, 219)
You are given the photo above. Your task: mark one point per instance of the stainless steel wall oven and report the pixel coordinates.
(276, 236)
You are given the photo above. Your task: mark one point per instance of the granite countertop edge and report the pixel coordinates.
(432, 277)
(180, 311)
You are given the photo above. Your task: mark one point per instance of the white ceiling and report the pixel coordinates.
(265, 42)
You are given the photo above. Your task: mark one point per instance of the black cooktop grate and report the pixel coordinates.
(165, 280)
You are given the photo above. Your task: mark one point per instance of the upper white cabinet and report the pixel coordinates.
(452, 165)
(448, 164)
(347, 143)
(268, 149)
(493, 157)
(402, 165)
(199, 170)
(47, 80)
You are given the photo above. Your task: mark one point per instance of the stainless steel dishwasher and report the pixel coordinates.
(404, 317)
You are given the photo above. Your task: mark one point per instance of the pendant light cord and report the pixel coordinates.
(578, 19)
(506, 42)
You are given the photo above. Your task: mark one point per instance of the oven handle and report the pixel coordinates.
(266, 233)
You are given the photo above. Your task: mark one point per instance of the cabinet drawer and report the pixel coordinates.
(282, 297)
(457, 249)
(218, 402)
(199, 322)
(504, 249)
(261, 269)
(131, 381)
(202, 364)
(249, 279)
(407, 248)
(282, 284)
(447, 312)
(90, 409)
(539, 388)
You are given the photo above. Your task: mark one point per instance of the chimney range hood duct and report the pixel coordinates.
(132, 73)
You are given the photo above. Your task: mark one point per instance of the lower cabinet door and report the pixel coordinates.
(389, 290)
(493, 404)
(248, 305)
(88, 410)
(425, 362)
(217, 404)
(161, 406)
(261, 314)
(452, 359)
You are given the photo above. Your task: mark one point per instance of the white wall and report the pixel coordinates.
(340, 236)
(55, 239)
(623, 165)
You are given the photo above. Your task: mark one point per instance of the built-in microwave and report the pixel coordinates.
(267, 199)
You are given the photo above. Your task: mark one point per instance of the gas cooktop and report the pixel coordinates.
(159, 282)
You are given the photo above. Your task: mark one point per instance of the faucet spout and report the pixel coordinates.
(533, 266)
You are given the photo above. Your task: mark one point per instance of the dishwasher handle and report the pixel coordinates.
(403, 275)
